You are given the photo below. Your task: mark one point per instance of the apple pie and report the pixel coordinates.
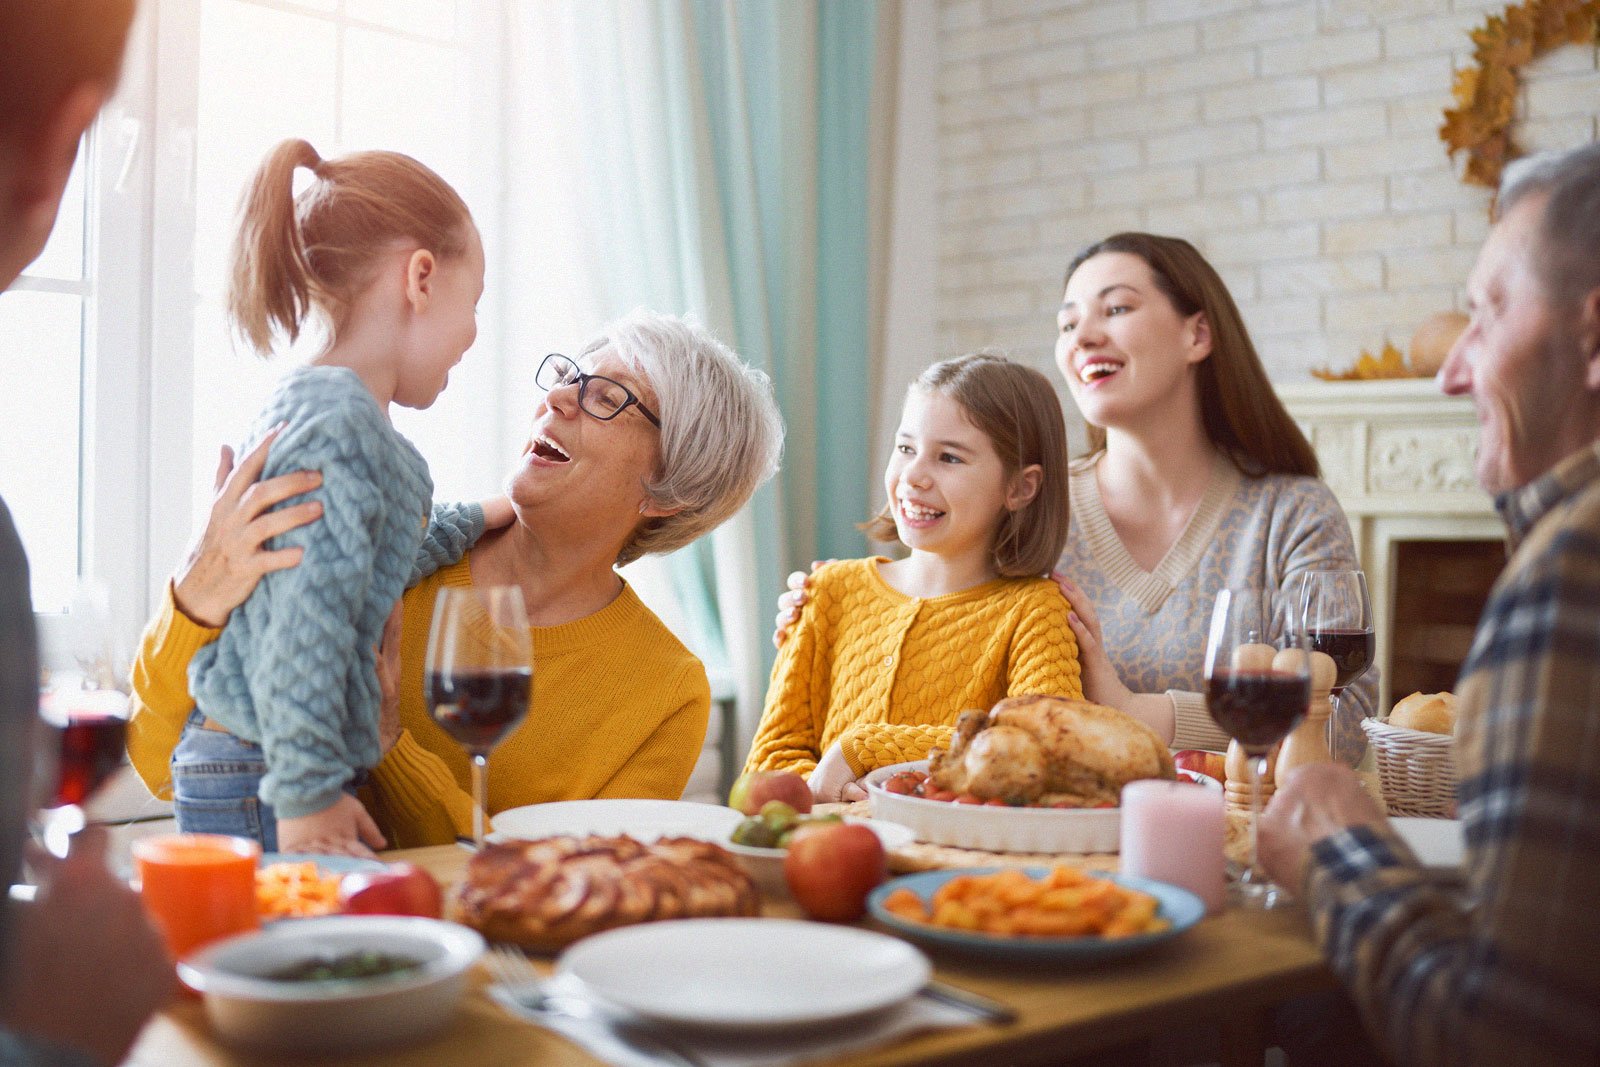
(545, 894)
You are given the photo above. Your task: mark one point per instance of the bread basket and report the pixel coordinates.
(1417, 770)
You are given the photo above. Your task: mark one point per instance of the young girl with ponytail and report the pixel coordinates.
(384, 254)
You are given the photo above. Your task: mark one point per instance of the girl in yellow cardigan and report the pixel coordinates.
(887, 653)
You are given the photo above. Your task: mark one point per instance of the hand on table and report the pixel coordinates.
(833, 780)
(87, 968)
(343, 828)
(224, 565)
(1312, 802)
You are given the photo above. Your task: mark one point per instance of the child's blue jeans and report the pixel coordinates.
(215, 781)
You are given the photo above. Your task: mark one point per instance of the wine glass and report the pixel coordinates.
(479, 675)
(1258, 683)
(1335, 613)
(83, 701)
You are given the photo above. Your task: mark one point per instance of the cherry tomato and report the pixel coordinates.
(968, 798)
(996, 803)
(904, 783)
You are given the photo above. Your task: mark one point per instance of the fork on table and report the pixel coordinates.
(517, 981)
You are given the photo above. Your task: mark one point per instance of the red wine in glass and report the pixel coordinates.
(479, 675)
(479, 707)
(90, 748)
(1351, 651)
(1257, 708)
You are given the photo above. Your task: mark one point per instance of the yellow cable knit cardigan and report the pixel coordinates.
(619, 709)
(885, 674)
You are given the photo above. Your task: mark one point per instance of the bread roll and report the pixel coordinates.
(1433, 713)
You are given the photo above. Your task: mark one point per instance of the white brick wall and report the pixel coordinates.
(1294, 141)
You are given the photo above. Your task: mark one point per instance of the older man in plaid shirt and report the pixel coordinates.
(1507, 969)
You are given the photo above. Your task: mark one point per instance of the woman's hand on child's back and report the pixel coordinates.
(790, 602)
(1100, 681)
(343, 828)
(224, 566)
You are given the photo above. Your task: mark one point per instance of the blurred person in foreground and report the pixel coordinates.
(1500, 969)
(80, 967)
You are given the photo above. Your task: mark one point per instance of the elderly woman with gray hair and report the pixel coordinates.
(653, 435)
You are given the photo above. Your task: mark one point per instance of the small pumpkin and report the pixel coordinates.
(1433, 340)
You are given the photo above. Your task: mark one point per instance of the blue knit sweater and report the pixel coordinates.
(294, 669)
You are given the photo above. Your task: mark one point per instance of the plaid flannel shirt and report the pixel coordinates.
(1505, 968)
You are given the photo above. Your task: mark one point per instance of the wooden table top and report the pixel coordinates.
(1229, 966)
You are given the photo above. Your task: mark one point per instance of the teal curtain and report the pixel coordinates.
(846, 470)
(726, 151)
(787, 91)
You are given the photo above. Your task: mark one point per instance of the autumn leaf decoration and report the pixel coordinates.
(1389, 363)
(1486, 93)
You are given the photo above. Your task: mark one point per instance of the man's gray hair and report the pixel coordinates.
(721, 433)
(1569, 232)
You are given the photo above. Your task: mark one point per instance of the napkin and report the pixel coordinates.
(598, 1034)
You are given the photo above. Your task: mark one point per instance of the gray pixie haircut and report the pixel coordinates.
(1569, 232)
(721, 434)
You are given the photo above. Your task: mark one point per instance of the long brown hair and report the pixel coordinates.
(1241, 413)
(1017, 409)
(315, 252)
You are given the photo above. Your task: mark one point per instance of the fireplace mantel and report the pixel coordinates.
(1399, 457)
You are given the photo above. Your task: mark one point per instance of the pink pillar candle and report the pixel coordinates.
(1172, 832)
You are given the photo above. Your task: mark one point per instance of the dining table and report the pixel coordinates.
(1219, 980)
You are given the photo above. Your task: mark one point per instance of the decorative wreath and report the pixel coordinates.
(1486, 93)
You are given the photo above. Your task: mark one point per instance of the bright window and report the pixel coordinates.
(42, 360)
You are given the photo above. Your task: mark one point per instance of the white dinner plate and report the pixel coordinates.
(643, 820)
(746, 973)
(1437, 842)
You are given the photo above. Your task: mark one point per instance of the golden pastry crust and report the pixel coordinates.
(545, 894)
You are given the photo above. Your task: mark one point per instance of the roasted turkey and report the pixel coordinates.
(1045, 750)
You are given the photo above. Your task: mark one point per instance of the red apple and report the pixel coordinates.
(398, 889)
(831, 867)
(756, 788)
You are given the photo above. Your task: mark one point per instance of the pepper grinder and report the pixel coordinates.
(1308, 742)
(1236, 790)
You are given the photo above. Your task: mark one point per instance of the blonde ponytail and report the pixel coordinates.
(315, 252)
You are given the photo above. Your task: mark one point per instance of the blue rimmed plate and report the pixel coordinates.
(1178, 906)
(325, 864)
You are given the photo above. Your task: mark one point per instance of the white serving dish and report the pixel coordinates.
(248, 1009)
(994, 829)
(643, 820)
(765, 865)
(746, 974)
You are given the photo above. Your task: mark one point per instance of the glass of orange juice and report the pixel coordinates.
(198, 888)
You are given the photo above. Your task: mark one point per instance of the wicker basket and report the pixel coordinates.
(1417, 770)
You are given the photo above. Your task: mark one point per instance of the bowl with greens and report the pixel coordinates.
(334, 984)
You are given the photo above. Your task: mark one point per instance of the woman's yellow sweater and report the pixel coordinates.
(619, 709)
(885, 674)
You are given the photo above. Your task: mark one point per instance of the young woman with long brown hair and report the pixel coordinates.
(1196, 479)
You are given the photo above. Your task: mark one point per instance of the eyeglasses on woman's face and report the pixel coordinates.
(598, 396)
